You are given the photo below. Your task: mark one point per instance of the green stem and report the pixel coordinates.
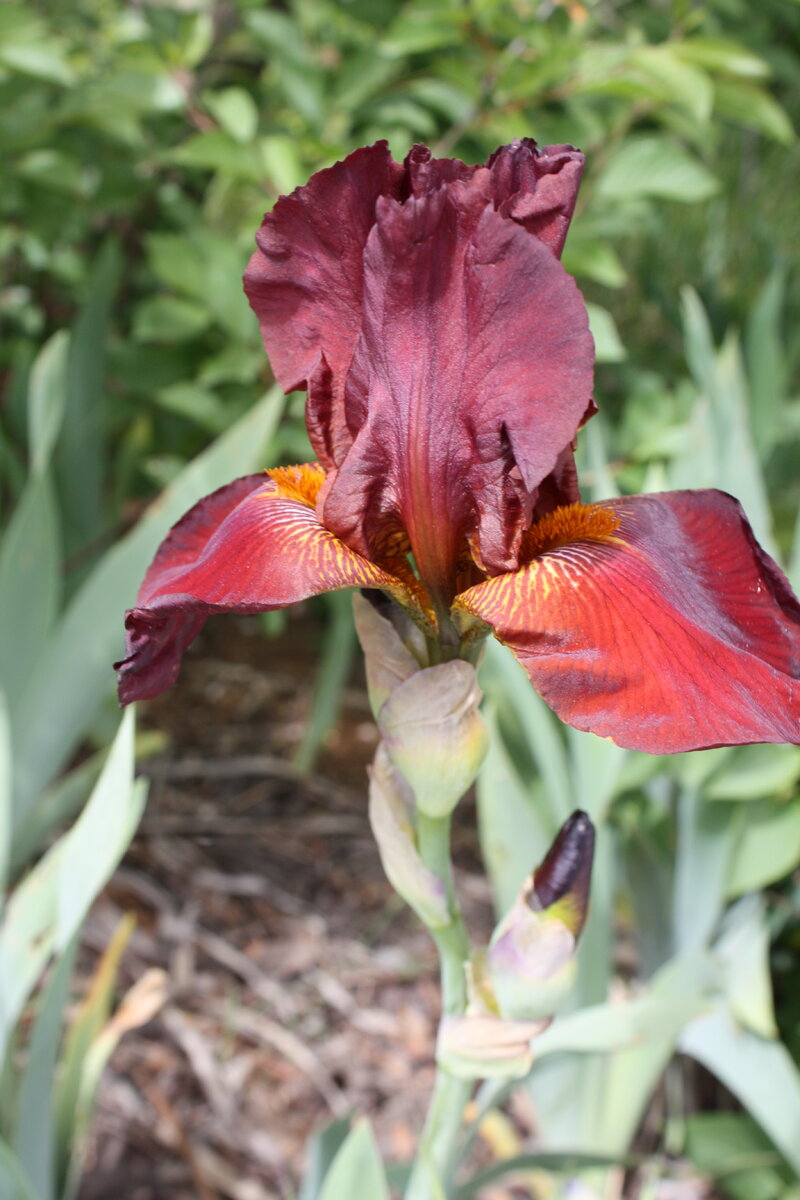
(436, 1160)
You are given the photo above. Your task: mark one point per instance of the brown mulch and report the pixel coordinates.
(298, 988)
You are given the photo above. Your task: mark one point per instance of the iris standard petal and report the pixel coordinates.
(656, 621)
(305, 283)
(250, 547)
(537, 187)
(475, 360)
(312, 284)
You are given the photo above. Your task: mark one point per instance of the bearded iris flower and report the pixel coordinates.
(448, 364)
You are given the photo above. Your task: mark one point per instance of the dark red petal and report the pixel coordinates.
(537, 187)
(559, 488)
(475, 356)
(305, 280)
(188, 537)
(244, 549)
(566, 871)
(673, 632)
(425, 173)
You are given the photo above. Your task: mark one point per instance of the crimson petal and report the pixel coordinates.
(306, 279)
(305, 282)
(246, 548)
(475, 359)
(537, 187)
(673, 632)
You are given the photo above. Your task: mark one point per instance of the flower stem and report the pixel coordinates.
(436, 1160)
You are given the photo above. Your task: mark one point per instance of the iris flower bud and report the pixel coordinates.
(388, 659)
(531, 958)
(481, 1046)
(390, 806)
(435, 734)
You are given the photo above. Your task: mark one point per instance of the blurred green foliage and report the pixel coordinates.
(141, 144)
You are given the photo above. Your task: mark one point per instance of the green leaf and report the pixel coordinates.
(504, 678)
(59, 804)
(52, 169)
(515, 830)
(84, 1031)
(793, 569)
(596, 767)
(322, 1148)
(49, 905)
(281, 163)
(138, 1006)
(766, 361)
(302, 89)
(279, 33)
(721, 452)
(769, 847)
(595, 1070)
(361, 77)
(206, 268)
(707, 836)
(754, 108)
(677, 993)
(752, 772)
(80, 453)
(197, 38)
(14, 1184)
(236, 112)
(34, 1140)
(419, 30)
(357, 1169)
(607, 344)
(560, 1163)
(744, 948)
(217, 150)
(656, 166)
(100, 836)
(74, 671)
(760, 1073)
(196, 403)
(722, 57)
(47, 399)
(594, 259)
(678, 82)
(177, 262)
(6, 811)
(28, 47)
(594, 445)
(169, 319)
(30, 580)
(730, 1147)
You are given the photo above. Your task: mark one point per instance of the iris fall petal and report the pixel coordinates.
(673, 631)
(246, 548)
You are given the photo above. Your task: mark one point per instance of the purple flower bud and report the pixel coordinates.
(532, 952)
(564, 876)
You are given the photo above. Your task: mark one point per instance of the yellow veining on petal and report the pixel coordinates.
(571, 523)
(557, 556)
(301, 482)
(322, 553)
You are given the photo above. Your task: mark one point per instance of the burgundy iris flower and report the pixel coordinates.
(448, 364)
